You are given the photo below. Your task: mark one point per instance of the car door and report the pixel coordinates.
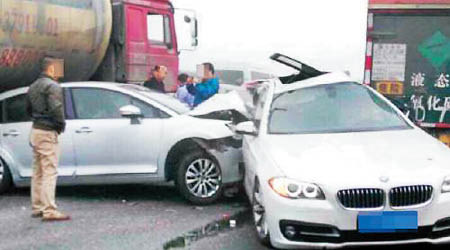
(15, 134)
(107, 143)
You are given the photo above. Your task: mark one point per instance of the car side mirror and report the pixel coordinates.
(130, 111)
(246, 128)
(187, 29)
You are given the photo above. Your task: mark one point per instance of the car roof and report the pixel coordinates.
(90, 84)
(328, 78)
(167, 101)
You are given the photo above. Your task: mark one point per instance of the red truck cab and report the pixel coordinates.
(143, 36)
(150, 39)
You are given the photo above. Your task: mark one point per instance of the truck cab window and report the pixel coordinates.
(158, 30)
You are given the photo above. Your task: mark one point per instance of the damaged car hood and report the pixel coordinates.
(220, 102)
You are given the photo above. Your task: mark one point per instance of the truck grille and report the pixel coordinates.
(410, 195)
(361, 198)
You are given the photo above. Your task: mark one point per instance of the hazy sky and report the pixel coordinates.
(327, 34)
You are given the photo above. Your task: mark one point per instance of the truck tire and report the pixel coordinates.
(5, 178)
(199, 178)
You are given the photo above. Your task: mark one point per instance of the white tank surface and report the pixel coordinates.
(77, 31)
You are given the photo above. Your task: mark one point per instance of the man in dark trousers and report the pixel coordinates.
(156, 82)
(45, 104)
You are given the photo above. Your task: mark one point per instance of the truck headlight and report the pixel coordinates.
(446, 185)
(295, 190)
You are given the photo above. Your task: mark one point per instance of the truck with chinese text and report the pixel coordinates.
(408, 59)
(102, 40)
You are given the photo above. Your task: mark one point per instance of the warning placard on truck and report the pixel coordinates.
(389, 62)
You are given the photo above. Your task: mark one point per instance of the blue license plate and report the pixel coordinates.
(387, 222)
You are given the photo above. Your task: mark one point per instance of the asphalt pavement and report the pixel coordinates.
(132, 217)
(108, 217)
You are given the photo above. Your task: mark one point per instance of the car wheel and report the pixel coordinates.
(5, 178)
(259, 216)
(199, 178)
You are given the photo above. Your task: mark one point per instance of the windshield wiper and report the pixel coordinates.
(278, 109)
(274, 110)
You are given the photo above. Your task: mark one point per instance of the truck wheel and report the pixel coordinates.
(5, 177)
(199, 178)
(260, 217)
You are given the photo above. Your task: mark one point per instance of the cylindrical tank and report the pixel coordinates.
(77, 31)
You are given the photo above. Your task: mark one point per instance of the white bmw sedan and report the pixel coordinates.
(123, 133)
(331, 163)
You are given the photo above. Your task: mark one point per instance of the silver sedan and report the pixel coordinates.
(120, 133)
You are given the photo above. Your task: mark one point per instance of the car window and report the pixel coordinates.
(147, 110)
(259, 99)
(15, 109)
(91, 103)
(332, 108)
(2, 119)
(68, 105)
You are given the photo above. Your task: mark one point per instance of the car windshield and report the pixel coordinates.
(332, 108)
(164, 99)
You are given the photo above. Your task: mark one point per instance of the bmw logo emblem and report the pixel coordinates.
(384, 179)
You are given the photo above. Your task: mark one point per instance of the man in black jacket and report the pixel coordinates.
(156, 82)
(45, 104)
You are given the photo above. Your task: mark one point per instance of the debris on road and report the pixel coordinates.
(227, 223)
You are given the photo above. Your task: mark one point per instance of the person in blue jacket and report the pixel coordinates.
(208, 87)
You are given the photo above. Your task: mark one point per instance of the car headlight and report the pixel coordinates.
(295, 190)
(446, 185)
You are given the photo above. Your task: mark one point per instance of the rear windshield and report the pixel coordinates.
(166, 100)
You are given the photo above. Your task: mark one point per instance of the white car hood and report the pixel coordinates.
(361, 158)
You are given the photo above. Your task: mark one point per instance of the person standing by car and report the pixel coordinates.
(183, 94)
(45, 106)
(156, 82)
(208, 87)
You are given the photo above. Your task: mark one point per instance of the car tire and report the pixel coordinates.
(5, 178)
(199, 178)
(259, 217)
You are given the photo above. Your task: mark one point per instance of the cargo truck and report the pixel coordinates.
(408, 59)
(102, 40)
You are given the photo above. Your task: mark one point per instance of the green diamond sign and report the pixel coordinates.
(436, 49)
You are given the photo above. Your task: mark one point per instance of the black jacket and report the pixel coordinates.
(155, 85)
(45, 104)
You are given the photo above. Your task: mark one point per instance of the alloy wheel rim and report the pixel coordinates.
(259, 216)
(203, 178)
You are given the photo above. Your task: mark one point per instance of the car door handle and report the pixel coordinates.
(83, 130)
(13, 133)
